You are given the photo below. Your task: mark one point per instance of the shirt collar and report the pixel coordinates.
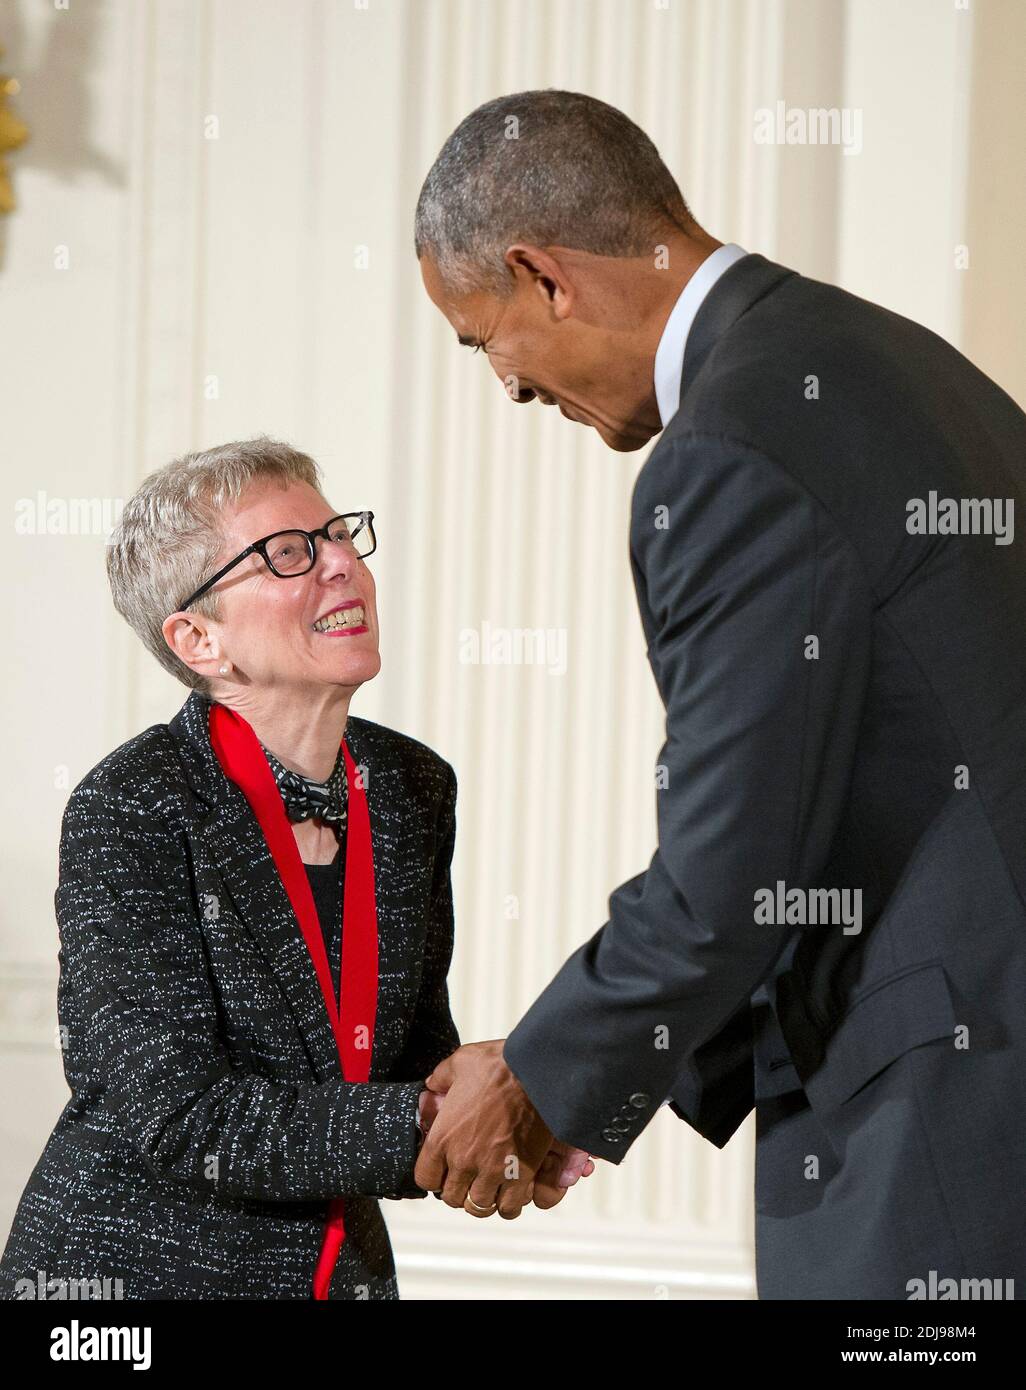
(303, 797)
(669, 358)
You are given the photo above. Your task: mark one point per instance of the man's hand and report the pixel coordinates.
(487, 1141)
(561, 1168)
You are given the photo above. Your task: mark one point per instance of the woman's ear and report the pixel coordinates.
(190, 637)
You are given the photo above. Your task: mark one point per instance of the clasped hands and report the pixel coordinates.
(486, 1148)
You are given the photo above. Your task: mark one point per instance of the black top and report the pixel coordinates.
(326, 883)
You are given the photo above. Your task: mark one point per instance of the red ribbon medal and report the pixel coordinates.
(238, 751)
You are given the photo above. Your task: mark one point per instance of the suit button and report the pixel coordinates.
(639, 1100)
(610, 1136)
(622, 1124)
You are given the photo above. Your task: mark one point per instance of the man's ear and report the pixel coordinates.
(546, 274)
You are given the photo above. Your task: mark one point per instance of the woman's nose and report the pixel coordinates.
(336, 558)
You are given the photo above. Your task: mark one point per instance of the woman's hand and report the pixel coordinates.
(427, 1108)
(561, 1168)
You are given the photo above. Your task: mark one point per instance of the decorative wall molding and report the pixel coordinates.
(440, 1254)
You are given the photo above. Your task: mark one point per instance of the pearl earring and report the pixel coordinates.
(222, 670)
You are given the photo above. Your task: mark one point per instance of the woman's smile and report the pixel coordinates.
(345, 620)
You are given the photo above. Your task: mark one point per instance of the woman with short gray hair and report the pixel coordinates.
(255, 918)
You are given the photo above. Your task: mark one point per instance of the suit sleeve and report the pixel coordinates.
(133, 958)
(758, 617)
(716, 1089)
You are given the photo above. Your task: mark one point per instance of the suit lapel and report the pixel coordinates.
(235, 842)
(395, 965)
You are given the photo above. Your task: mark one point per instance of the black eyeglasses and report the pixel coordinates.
(289, 553)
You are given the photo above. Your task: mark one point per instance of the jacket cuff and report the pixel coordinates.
(714, 1112)
(399, 1150)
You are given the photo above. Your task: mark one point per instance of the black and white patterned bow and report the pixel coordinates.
(305, 799)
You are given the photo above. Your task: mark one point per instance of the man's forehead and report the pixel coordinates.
(459, 309)
(474, 315)
(433, 284)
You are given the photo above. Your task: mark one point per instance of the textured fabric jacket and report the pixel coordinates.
(845, 709)
(209, 1123)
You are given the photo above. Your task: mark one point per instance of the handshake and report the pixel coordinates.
(485, 1147)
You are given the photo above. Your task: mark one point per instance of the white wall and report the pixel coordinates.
(230, 267)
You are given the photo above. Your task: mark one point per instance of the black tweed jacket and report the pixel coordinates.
(209, 1124)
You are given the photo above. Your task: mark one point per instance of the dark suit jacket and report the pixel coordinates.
(209, 1124)
(774, 509)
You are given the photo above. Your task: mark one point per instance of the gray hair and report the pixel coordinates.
(549, 167)
(169, 535)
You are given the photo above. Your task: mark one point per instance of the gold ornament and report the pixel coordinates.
(12, 134)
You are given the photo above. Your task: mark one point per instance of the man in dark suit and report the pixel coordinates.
(832, 929)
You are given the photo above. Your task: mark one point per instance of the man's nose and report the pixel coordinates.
(519, 395)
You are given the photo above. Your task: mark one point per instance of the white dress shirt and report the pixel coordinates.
(669, 358)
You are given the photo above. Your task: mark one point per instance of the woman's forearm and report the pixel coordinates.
(244, 1136)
